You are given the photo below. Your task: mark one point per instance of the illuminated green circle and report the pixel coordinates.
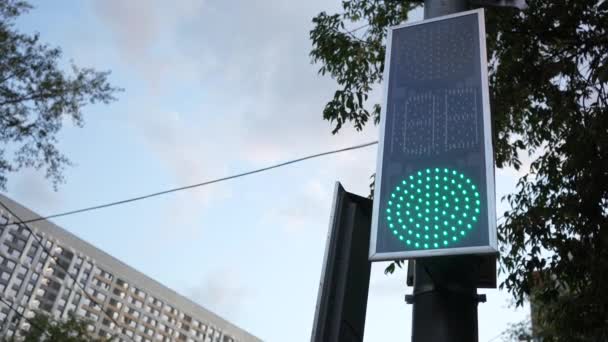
(435, 199)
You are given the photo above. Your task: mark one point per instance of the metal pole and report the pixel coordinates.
(445, 289)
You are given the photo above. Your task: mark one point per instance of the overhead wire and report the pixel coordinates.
(187, 187)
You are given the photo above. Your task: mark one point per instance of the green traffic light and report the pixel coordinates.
(449, 189)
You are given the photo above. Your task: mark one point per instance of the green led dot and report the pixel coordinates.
(477, 210)
(417, 225)
(466, 199)
(454, 172)
(477, 202)
(426, 237)
(436, 227)
(403, 182)
(461, 176)
(462, 232)
(401, 237)
(454, 238)
(393, 195)
(447, 205)
(417, 244)
(391, 225)
(407, 204)
(443, 198)
(419, 173)
(452, 216)
(411, 177)
(418, 235)
(435, 245)
(428, 170)
(464, 192)
(436, 177)
(446, 170)
(474, 218)
(473, 187)
(445, 233)
(412, 186)
(395, 232)
(459, 186)
(398, 213)
(453, 228)
(412, 197)
(410, 232)
(411, 220)
(417, 207)
(405, 191)
(419, 181)
(469, 226)
(445, 223)
(418, 191)
(436, 169)
(427, 195)
(419, 215)
(408, 242)
(456, 208)
(436, 236)
(426, 218)
(460, 222)
(388, 211)
(468, 181)
(428, 187)
(456, 200)
(426, 245)
(443, 213)
(398, 188)
(464, 215)
(445, 243)
(426, 228)
(445, 179)
(389, 218)
(476, 194)
(400, 220)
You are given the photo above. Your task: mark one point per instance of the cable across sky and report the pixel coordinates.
(197, 185)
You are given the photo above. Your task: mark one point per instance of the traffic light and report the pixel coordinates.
(434, 191)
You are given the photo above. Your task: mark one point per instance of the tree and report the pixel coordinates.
(36, 96)
(548, 88)
(44, 328)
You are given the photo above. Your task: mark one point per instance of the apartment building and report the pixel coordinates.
(141, 309)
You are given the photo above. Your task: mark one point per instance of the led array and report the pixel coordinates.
(433, 208)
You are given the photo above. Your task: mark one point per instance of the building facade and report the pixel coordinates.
(141, 309)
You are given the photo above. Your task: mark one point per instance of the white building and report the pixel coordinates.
(144, 309)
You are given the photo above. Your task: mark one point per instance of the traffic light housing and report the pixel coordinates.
(434, 191)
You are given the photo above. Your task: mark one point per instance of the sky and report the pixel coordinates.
(214, 88)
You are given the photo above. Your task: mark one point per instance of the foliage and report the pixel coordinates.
(44, 328)
(37, 96)
(548, 88)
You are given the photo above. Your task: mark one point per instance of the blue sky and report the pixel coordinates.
(214, 88)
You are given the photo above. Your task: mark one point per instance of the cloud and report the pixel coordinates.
(177, 145)
(222, 292)
(34, 191)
